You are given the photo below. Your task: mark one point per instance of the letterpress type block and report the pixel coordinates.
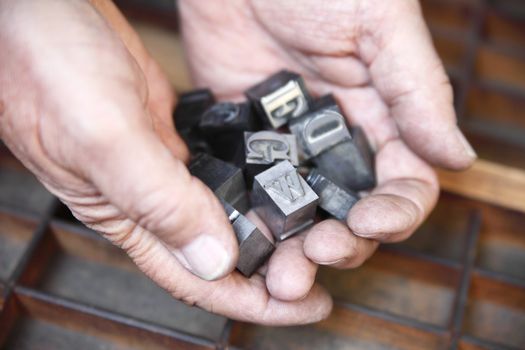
(187, 115)
(335, 199)
(228, 116)
(320, 129)
(349, 163)
(254, 247)
(224, 125)
(190, 108)
(279, 98)
(264, 149)
(195, 141)
(326, 101)
(224, 179)
(283, 199)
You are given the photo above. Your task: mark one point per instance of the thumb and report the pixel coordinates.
(139, 175)
(410, 77)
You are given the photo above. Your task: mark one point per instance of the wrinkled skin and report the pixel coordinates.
(85, 108)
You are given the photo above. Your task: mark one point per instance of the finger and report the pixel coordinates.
(160, 97)
(129, 164)
(406, 193)
(331, 243)
(290, 274)
(235, 296)
(165, 130)
(410, 77)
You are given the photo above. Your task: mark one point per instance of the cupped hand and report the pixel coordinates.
(378, 59)
(89, 112)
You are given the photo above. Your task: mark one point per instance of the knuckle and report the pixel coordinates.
(135, 242)
(190, 300)
(353, 250)
(400, 236)
(205, 299)
(124, 237)
(159, 211)
(101, 133)
(355, 262)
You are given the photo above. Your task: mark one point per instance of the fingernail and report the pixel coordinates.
(206, 257)
(331, 262)
(466, 145)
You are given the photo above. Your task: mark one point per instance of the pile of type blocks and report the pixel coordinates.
(281, 153)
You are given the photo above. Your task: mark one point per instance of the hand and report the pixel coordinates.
(88, 111)
(378, 60)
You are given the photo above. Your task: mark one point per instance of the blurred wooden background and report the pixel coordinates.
(459, 283)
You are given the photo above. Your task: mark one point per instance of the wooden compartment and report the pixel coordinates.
(15, 235)
(78, 291)
(19, 189)
(504, 29)
(468, 344)
(443, 234)
(501, 246)
(451, 50)
(491, 149)
(399, 285)
(2, 293)
(33, 320)
(447, 14)
(77, 264)
(344, 329)
(501, 66)
(485, 104)
(496, 312)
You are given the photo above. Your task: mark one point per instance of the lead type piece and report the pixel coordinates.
(323, 137)
(283, 199)
(349, 163)
(187, 115)
(333, 198)
(264, 149)
(320, 129)
(224, 179)
(191, 106)
(279, 98)
(226, 117)
(254, 247)
(223, 126)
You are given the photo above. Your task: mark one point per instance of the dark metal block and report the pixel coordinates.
(279, 98)
(195, 141)
(187, 115)
(228, 116)
(283, 199)
(269, 147)
(223, 126)
(190, 108)
(224, 179)
(335, 199)
(326, 101)
(264, 149)
(349, 163)
(254, 247)
(320, 129)
(242, 203)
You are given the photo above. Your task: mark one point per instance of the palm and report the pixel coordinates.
(378, 60)
(342, 54)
